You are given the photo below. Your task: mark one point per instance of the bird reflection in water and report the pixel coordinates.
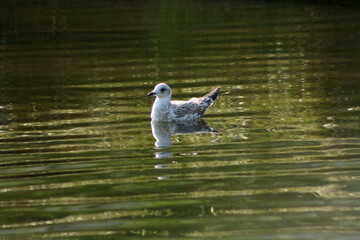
(162, 132)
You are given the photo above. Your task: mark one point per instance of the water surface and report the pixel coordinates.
(277, 156)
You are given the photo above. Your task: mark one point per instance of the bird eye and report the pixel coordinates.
(162, 90)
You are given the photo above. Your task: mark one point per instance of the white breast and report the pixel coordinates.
(160, 110)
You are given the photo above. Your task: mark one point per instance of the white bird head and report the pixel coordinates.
(162, 90)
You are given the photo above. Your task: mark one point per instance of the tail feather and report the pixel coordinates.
(213, 94)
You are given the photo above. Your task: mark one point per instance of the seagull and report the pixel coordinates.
(165, 110)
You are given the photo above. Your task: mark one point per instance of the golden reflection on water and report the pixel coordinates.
(285, 210)
(108, 215)
(331, 191)
(283, 232)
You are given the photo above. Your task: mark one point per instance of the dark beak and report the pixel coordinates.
(151, 93)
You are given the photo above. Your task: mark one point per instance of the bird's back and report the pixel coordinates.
(194, 108)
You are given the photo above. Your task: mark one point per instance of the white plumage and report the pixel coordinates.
(166, 110)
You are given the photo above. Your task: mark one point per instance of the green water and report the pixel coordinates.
(277, 156)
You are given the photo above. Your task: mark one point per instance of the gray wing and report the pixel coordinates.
(193, 108)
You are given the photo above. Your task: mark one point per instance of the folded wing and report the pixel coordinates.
(195, 107)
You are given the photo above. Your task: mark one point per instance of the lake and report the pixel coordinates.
(277, 156)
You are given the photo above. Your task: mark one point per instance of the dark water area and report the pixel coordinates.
(277, 156)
